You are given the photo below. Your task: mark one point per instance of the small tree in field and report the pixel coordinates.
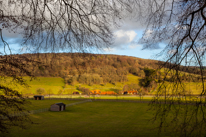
(60, 92)
(40, 91)
(141, 93)
(50, 92)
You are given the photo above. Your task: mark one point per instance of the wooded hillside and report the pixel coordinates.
(91, 68)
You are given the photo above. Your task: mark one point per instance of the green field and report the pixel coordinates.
(92, 119)
(41, 104)
(54, 84)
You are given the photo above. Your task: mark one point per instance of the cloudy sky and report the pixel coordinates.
(127, 41)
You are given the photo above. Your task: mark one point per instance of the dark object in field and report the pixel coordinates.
(38, 97)
(76, 93)
(58, 107)
(125, 93)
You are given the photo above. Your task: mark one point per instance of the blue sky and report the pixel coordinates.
(136, 52)
(125, 45)
(126, 42)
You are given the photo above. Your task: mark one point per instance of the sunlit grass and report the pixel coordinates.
(41, 104)
(93, 119)
(56, 83)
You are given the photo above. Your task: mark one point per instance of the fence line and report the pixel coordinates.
(109, 100)
(135, 101)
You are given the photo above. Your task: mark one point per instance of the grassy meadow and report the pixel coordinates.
(41, 104)
(54, 84)
(92, 119)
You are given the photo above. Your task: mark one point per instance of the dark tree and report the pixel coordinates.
(12, 110)
(149, 79)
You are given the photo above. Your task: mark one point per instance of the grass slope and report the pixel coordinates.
(53, 83)
(57, 83)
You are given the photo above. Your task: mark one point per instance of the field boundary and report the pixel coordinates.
(104, 100)
(136, 101)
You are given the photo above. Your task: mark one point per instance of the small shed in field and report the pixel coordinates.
(58, 107)
(38, 97)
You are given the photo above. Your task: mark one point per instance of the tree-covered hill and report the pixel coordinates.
(91, 69)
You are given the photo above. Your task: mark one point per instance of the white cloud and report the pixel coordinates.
(128, 36)
(124, 38)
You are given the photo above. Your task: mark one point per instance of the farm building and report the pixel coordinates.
(132, 92)
(76, 93)
(98, 92)
(125, 92)
(95, 92)
(38, 97)
(109, 93)
(58, 107)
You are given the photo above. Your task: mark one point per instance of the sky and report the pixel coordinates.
(126, 41)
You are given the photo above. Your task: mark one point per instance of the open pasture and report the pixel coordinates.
(53, 85)
(41, 104)
(48, 83)
(93, 119)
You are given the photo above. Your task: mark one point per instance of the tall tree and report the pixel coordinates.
(49, 26)
(148, 80)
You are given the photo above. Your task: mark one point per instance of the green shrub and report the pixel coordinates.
(83, 90)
